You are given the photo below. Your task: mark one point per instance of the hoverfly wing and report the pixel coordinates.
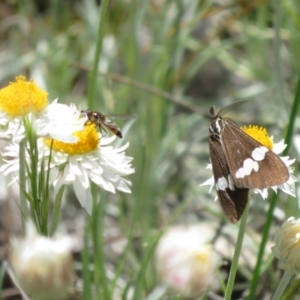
(122, 117)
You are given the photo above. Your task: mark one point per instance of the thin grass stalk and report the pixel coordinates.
(141, 276)
(33, 154)
(44, 201)
(273, 201)
(292, 290)
(45, 194)
(56, 213)
(97, 222)
(135, 218)
(98, 210)
(283, 284)
(2, 276)
(36, 204)
(85, 258)
(43, 191)
(22, 183)
(100, 37)
(237, 253)
(277, 44)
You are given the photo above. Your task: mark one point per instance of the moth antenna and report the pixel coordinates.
(229, 107)
(212, 111)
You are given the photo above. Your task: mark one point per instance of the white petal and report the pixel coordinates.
(279, 147)
(84, 196)
(84, 179)
(68, 175)
(107, 140)
(56, 134)
(209, 181)
(74, 166)
(262, 192)
(122, 186)
(209, 166)
(60, 121)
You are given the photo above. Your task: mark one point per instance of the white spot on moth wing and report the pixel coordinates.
(222, 184)
(259, 153)
(248, 166)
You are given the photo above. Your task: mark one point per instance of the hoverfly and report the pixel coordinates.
(103, 122)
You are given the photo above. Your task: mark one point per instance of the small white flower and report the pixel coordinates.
(287, 245)
(186, 262)
(42, 266)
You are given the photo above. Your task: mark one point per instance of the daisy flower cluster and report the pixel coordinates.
(69, 147)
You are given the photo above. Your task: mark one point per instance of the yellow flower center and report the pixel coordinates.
(204, 258)
(88, 140)
(21, 97)
(260, 134)
(203, 255)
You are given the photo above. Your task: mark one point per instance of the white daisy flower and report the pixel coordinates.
(260, 134)
(22, 99)
(90, 159)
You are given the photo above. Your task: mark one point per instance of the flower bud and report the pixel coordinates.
(185, 262)
(287, 245)
(43, 266)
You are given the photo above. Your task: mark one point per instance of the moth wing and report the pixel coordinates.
(269, 170)
(233, 203)
(233, 200)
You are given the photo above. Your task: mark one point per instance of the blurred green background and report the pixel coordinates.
(167, 62)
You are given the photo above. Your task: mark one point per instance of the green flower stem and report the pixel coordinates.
(22, 176)
(237, 253)
(283, 284)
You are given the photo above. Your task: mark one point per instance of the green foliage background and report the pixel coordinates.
(167, 62)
